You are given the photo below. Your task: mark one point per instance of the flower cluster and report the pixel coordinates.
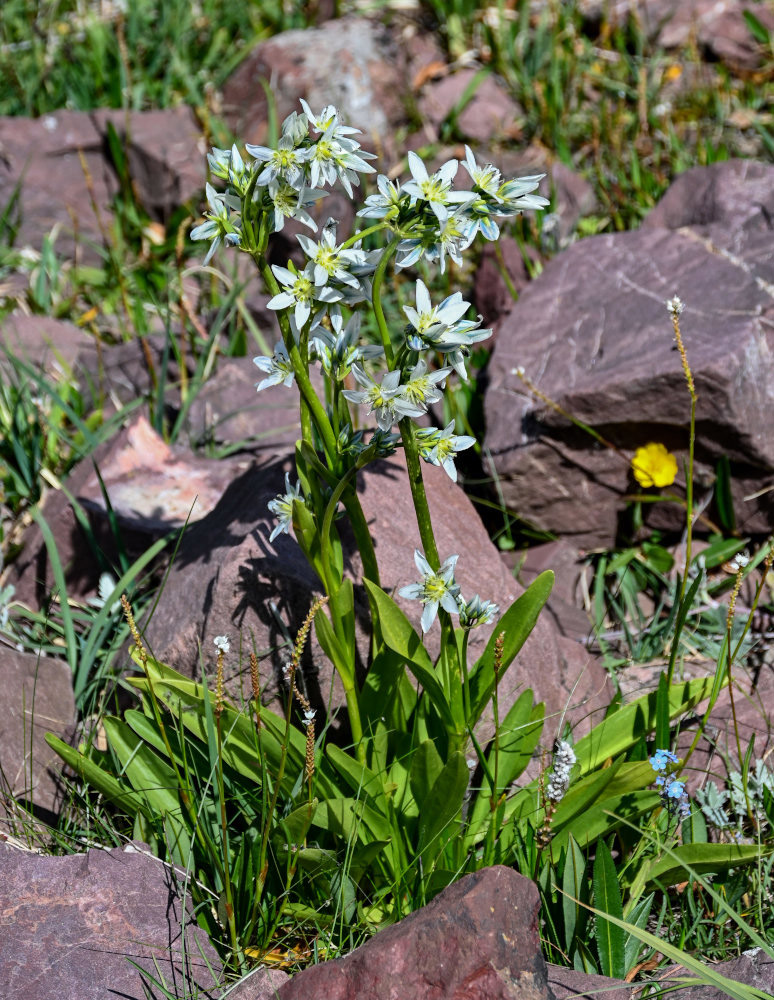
(563, 761)
(448, 219)
(426, 217)
(438, 588)
(672, 791)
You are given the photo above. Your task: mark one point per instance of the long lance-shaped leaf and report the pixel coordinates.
(610, 937)
(517, 623)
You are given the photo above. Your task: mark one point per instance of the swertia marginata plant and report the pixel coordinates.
(244, 798)
(319, 308)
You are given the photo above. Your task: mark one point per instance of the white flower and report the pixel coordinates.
(330, 260)
(435, 188)
(435, 589)
(421, 389)
(222, 643)
(300, 291)
(290, 203)
(338, 350)
(675, 306)
(454, 234)
(487, 178)
(430, 321)
(515, 195)
(440, 447)
(279, 368)
(286, 162)
(386, 204)
(222, 221)
(282, 507)
(384, 398)
(335, 155)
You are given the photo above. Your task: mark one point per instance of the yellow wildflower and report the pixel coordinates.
(653, 465)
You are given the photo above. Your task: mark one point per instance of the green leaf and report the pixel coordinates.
(607, 897)
(517, 623)
(363, 781)
(702, 858)
(333, 649)
(759, 32)
(694, 827)
(639, 918)
(400, 636)
(724, 500)
(426, 766)
(386, 690)
(294, 826)
(662, 713)
(154, 779)
(591, 824)
(441, 807)
(704, 973)
(625, 727)
(105, 783)
(583, 794)
(573, 882)
(519, 734)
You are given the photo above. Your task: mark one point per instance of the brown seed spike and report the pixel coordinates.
(129, 615)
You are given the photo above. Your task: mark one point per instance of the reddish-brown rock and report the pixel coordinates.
(488, 113)
(594, 334)
(228, 579)
(73, 926)
(60, 160)
(152, 487)
(37, 699)
(729, 206)
(477, 940)
(354, 63)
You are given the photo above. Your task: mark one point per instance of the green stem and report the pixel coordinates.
(356, 237)
(226, 860)
(376, 299)
(309, 396)
(418, 495)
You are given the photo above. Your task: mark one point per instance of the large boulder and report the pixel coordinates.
(55, 171)
(355, 63)
(593, 333)
(478, 939)
(228, 578)
(86, 925)
(729, 207)
(38, 698)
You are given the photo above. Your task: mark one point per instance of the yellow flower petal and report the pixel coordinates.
(653, 465)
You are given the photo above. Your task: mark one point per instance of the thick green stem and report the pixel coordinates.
(418, 495)
(305, 386)
(376, 299)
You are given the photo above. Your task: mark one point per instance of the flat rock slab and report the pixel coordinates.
(72, 926)
(729, 207)
(594, 335)
(37, 699)
(61, 165)
(354, 63)
(153, 488)
(477, 940)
